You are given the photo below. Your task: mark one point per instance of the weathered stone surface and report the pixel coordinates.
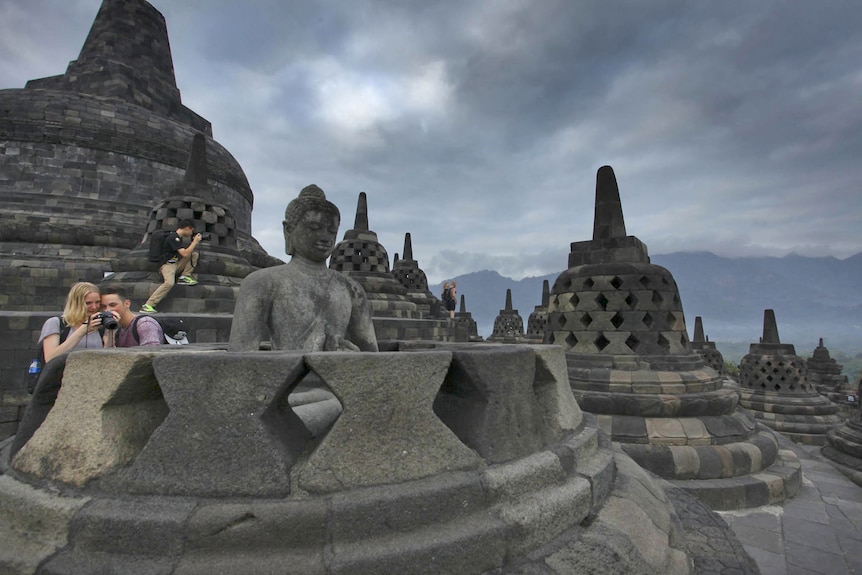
(388, 431)
(106, 410)
(34, 523)
(228, 433)
(489, 402)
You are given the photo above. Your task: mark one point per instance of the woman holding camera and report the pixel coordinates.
(80, 322)
(77, 328)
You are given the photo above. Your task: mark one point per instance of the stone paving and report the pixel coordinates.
(818, 532)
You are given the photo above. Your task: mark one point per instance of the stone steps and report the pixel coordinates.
(779, 482)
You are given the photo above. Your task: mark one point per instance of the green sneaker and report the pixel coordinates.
(187, 281)
(147, 309)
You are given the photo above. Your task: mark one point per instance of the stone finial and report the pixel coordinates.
(508, 300)
(820, 344)
(608, 222)
(546, 294)
(408, 247)
(463, 308)
(698, 330)
(770, 327)
(361, 221)
(197, 171)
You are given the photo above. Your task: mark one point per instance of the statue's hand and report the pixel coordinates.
(338, 343)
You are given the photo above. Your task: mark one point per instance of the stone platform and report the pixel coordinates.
(444, 459)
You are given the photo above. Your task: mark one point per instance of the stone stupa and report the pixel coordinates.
(620, 320)
(362, 257)
(221, 266)
(774, 386)
(408, 273)
(465, 319)
(508, 325)
(88, 153)
(844, 445)
(538, 320)
(706, 348)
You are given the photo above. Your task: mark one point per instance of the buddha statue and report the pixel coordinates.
(305, 305)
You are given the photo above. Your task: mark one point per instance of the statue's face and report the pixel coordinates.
(314, 236)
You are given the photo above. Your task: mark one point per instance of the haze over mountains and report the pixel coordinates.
(813, 297)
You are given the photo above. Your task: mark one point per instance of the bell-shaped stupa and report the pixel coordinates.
(408, 273)
(706, 348)
(508, 325)
(538, 320)
(620, 320)
(774, 386)
(221, 266)
(464, 319)
(88, 153)
(362, 257)
(844, 445)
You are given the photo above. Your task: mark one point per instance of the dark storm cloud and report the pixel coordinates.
(479, 126)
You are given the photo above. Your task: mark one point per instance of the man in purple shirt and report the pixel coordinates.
(134, 329)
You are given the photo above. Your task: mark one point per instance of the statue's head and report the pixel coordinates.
(310, 225)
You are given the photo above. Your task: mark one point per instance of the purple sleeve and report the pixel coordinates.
(149, 331)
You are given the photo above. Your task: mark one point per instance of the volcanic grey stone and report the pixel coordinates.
(489, 402)
(105, 412)
(388, 431)
(225, 433)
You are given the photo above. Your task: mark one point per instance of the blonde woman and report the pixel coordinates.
(77, 328)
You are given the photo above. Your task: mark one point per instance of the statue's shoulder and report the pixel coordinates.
(263, 277)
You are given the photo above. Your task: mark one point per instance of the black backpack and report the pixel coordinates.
(40, 358)
(172, 327)
(157, 246)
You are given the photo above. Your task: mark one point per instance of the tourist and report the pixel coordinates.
(305, 305)
(450, 301)
(79, 327)
(175, 257)
(133, 330)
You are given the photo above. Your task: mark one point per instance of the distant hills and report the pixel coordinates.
(813, 297)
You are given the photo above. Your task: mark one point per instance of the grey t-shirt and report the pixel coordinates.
(92, 340)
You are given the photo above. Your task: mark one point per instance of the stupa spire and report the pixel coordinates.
(608, 221)
(698, 330)
(408, 247)
(770, 327)
(197, 171)
(361, 221)
(508, 300)
(463, 308)
(546, 294)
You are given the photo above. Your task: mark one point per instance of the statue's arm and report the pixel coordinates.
(250, 314)
(360, 330)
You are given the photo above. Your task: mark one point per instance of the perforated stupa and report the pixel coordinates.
(621, 322)
(774, 386)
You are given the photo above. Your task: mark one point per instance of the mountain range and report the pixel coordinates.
(813, 297)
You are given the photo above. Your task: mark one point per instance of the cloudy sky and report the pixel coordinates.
(478, 126)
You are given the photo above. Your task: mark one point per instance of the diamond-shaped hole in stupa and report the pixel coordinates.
(314, 403)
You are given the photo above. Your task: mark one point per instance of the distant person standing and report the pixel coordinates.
(175, 257)
(449, 298)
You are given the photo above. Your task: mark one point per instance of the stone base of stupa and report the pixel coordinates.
(804, 419)
(186, 461)
(675, 418)
(844, 449)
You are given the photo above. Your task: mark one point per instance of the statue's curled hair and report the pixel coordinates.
(310, 198)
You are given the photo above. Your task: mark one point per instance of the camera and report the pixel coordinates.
(108, 320)
(206, 237)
